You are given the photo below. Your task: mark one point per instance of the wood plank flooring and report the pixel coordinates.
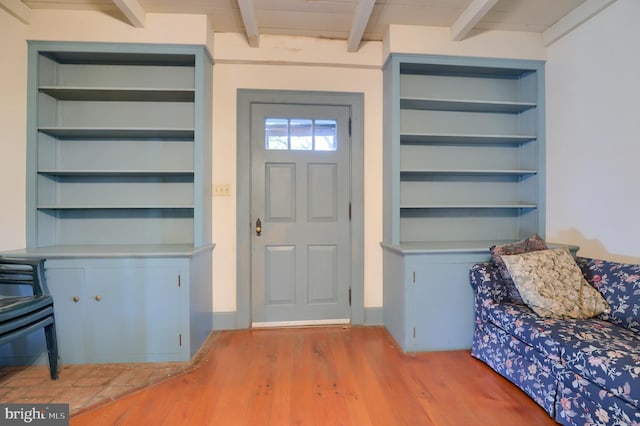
(324, 376)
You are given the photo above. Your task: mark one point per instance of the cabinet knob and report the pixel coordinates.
(76, 299)
(98, 298)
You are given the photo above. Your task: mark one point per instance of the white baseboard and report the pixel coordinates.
(300, 323)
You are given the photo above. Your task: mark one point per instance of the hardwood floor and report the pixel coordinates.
(324, 376)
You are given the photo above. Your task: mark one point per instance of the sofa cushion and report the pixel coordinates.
(535, 242)
(551, 283)
(580, 402)
(608, 356)
(598, 350)
(620, 285)
(521, 322)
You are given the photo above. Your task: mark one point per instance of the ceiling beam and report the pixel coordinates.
(360, 20)
(470, 17)
(133, 11)
(17, 9)
(248, 13)
(574, 19)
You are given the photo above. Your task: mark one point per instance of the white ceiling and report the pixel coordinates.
(352, 20)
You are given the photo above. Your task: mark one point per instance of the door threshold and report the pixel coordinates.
(303, 323)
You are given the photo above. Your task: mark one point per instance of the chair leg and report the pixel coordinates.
(52, 349)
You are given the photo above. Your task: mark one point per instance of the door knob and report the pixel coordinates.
(258, 227)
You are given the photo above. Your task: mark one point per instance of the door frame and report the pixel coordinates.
(246, 97)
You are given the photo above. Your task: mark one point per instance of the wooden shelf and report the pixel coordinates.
(465, 105)
(60, 172)
(426, 138)
(119, 94)
(112, 207)
(117, 133)
(468, 206)
(468, 172)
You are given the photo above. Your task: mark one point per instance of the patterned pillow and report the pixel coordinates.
(535, 242)
(552, 285)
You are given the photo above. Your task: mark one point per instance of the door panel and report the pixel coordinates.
(322, 192)
(280, 283)
(300, 192)
(280, 187)
(322, 274)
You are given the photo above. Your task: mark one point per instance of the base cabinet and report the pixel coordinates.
(428, 302)
(107, 311)
(149, 307)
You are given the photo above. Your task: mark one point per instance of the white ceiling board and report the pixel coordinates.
(359, 23)
(470, 17)
(17, 9)
(250, 24)
(132, 11)
(335, 18)
(574, 19)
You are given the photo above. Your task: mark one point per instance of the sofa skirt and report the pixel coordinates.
(518, 362)
(581, 402)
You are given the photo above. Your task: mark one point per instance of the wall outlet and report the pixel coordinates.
(222, 190)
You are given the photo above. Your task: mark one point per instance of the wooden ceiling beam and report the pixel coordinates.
(470, 17)
(17, 9)
(574, 19)
(133, 11)
(360, 20)
(248, 13)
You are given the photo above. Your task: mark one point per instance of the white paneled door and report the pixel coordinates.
(300, 210)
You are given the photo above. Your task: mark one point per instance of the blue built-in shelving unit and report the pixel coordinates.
(119, 198)
(463, 170)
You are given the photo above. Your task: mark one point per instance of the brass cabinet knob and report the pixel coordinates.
(76, 299)
(98, 298)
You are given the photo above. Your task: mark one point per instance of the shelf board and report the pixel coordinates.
(468, 206)
(59, 172)
(117, 133)
(109, 250)
(119, 94)
(112, 207)
(121, 58)
(465, 105)
(426, 138)
(517, 172)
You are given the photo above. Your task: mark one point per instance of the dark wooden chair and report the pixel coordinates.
(22, 315)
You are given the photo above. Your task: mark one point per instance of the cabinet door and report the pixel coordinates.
(133, 313)
(67, 288)
(441, 306)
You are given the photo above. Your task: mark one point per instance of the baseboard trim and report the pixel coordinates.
(373, 316)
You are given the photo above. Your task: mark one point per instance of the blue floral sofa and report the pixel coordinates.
(581, 371)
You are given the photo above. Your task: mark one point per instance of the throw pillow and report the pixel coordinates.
(535, 242)
(552, 285)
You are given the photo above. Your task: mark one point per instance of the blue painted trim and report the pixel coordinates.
(224, 321)
(373, 316)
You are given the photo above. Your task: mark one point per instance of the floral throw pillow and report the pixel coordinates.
(552, 285)
(533, 243)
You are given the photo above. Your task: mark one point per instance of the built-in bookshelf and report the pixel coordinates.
(119, 198)
(463, 169)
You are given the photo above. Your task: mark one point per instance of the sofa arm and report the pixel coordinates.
(488, 287)
(619, 283)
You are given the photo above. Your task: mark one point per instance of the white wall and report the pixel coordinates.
(593, 129)
(292, 63)
(13, 122)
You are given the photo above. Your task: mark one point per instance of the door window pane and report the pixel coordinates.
(325, 135)
(276, 133)
(301, 134)
(301, 131)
